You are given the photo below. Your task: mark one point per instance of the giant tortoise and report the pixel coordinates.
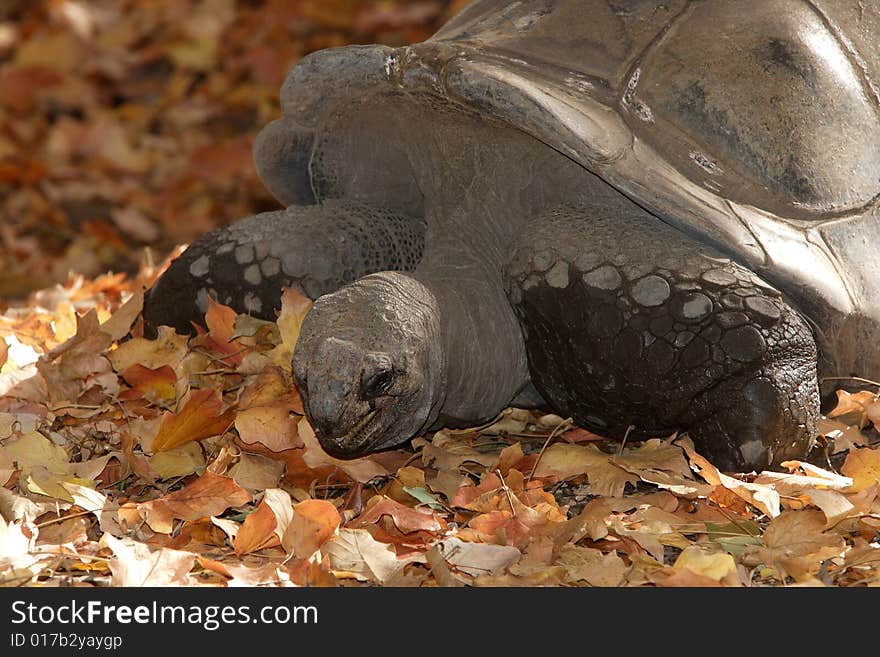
(649, 216)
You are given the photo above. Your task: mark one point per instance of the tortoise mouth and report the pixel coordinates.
(357, 441)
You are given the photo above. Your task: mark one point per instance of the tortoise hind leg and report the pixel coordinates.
(628, 321)
(314, 249)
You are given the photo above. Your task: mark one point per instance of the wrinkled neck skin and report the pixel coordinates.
(483, 355)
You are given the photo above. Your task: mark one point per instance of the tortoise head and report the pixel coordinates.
(369, 364)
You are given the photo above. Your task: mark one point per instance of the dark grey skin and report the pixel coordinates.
(657, 217)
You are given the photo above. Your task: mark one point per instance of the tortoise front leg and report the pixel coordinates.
(315, 249)
(628, 322)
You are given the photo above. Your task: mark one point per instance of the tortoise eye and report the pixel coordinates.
(374, 384)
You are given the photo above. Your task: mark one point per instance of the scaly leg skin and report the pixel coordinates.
(628, 321)
(315, 249)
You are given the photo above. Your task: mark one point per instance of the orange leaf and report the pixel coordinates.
(158, 384)
(199, 418)
(257, 531)
(220, 321)
(209, 495)
(406, 519)
(312, 525)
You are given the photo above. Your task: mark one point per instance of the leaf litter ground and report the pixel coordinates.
(132, 462)
(188, 461)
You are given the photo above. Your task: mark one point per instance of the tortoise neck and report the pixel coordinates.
(483, 354)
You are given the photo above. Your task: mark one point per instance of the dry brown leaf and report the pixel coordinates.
(764, 497)
(136, 564)
(313, 523)
(275, 427)
(856, 408)
(406, 519)
(257, 532)
(209, 495)
(168, 349)
(564, 461)
(294, 308)
(355, 553)
(200, 417)
(158, 386)
(592, 566)
(477, 559)
(796, 543)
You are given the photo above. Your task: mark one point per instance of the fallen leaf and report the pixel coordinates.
(361, 469)
(313, 523)
(200, 417)
(863, 466)
(717, 566)
(257, 532)
(477, 558)
(796, 544)
(355, 553)
(136, 564)
(856, 408)
(168, 349)
(592, 566)
(255, 472)
(564, 461)
(119, 324)
(406, 519)
(178, 462)
(294, 308)
(209, 495)
(764, 497)
(273, 426)
(158, 386)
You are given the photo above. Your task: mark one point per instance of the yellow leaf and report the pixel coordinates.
(564, 461)
(294, 308)
(34, 449)
(719, 566)
(178, 462)
(168, 349)
(863, 465)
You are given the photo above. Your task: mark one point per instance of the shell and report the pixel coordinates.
(752, 125)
